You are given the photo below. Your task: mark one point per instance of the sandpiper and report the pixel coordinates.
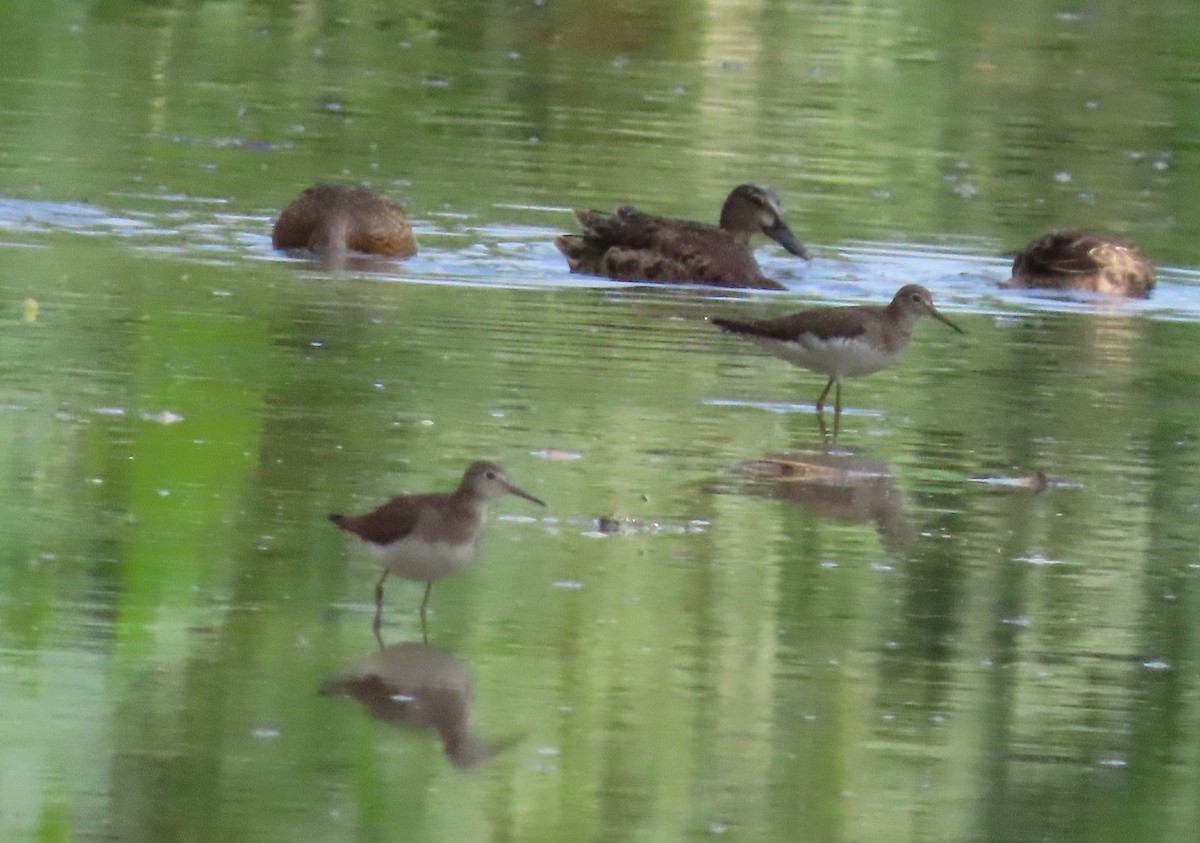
(842, 342)
(429, 537)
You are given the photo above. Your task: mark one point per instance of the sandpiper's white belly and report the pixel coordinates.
(839, 358)
(415, 558)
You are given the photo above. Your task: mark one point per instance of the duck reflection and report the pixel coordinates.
(840, 485)
(413, 684)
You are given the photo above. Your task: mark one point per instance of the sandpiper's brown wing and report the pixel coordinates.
(843, 322)
(389, 523)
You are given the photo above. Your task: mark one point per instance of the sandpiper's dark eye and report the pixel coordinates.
(916, 296)
(491, 475)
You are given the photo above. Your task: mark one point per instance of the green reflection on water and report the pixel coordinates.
(965, 661)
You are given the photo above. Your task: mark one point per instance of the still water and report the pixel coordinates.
(974, 620)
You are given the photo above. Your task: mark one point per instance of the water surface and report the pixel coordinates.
(716, 630)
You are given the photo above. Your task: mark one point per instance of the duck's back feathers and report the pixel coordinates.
(334, 217)
(1076, 260)
(632, 246)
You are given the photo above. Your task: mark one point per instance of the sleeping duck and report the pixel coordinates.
(1077, 260)
(335, 218)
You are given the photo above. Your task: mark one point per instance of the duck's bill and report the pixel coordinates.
(521, 493)
(782, 235)
(939, 317)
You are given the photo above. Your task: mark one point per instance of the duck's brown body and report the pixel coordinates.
(632, 246)
(338, 218)
(1076, 260)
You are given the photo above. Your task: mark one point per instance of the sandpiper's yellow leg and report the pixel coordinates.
(425, 602)
(825, 442)
(837, 412)
(821, 398)
(379, 590)
(379, 607)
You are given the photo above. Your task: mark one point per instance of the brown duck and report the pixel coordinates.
(335, 218)
(632, 246)
(1076, 260)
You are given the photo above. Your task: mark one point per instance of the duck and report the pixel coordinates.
(632, 246)
(1079, 260)
(334, 218)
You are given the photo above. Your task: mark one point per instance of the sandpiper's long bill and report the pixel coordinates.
(842, 342)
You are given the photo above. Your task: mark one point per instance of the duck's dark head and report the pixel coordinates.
(753, 208)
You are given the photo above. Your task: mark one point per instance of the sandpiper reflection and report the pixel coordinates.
(840, 485)
(413, 684)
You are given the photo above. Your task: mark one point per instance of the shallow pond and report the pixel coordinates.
(975, 619)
